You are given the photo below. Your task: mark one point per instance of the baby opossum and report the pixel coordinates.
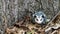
(39, 17)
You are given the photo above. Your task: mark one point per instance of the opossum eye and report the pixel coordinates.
(42, 16)
(34, 16)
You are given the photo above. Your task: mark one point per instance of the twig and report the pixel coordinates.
(52, 20)
(54, 32)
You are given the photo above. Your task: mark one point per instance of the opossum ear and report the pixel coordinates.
(35, 16)
(45, 15)
(47, 20)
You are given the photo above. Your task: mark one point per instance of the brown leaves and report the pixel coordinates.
(25, 25)
(11, 31)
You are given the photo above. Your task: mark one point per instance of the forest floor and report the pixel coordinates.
(26, 27)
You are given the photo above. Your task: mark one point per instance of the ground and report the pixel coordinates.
(26, 27)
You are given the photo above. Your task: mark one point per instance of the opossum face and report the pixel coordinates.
(39, 18)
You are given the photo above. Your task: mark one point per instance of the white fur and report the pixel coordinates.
(40, 19)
